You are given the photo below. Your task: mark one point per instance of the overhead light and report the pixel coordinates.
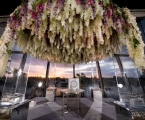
(39, 84)
(120, 85)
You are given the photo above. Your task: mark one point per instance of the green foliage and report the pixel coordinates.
(8, 51)
(124, 15)
(136, 42)
(16, 13)
(22, 2)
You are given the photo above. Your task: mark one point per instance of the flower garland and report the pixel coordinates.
(5, 57)
(5, 47)
(73, 31)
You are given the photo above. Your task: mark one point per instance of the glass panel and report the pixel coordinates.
(16, 48)
(141, 26)
(23, 77)
(109, 79)
(59, 75)
(87, 72)
(142, 80)
(141, 75)
(11, 79)
(132, 82)
(123, 50)
(63, 71)
(7, 71)
(36, 77)
(121, 84)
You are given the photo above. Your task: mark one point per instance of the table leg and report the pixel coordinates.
(67, 101)
(78, 104)
(63, 104)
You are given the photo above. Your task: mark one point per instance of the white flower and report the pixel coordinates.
(62, 22)
(75, 31)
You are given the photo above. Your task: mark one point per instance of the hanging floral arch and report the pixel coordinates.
(73, 31)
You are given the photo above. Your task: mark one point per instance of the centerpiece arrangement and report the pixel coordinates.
(73, 31)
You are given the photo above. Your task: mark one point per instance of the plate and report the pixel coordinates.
(73, 83)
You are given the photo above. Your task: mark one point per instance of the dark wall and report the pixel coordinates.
(8, 6)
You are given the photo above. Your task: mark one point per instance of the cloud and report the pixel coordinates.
(61, 65)
(39, 62)
(61, 70)
(16, 57)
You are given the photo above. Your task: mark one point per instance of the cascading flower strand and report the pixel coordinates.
(74, 31)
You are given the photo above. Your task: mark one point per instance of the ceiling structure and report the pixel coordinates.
(8, 6)
(131, 4)
(137, 7)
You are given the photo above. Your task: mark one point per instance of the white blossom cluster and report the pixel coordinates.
(69, 32)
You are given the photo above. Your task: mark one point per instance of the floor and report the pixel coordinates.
(90, 110)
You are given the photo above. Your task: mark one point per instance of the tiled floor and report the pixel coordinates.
(90, 110)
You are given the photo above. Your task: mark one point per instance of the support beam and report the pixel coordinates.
(124, 76)
(46, 81)
(138, 13)
(22, 65)
(74, 71)
(100, 78)
(17, 52)
(119, 63)
(122, 55)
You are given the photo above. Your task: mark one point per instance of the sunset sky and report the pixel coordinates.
(38, 67)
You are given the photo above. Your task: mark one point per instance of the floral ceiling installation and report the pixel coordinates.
(73, 31)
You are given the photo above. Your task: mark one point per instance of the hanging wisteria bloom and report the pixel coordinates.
(74, 31)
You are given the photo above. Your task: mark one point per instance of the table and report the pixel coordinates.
(67, 92)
